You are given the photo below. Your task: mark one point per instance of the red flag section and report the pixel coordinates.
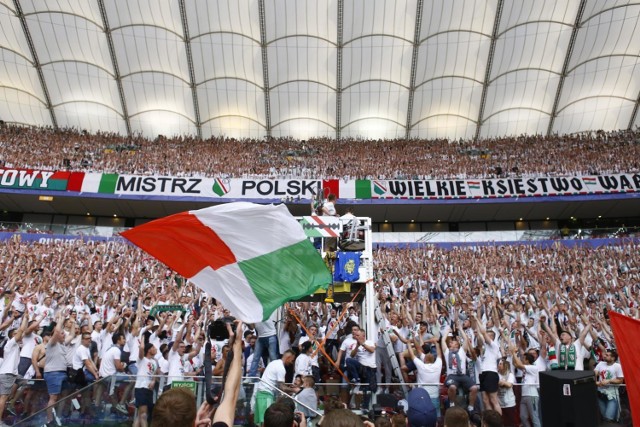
(182, 242)
(626, 332)
(331, 186)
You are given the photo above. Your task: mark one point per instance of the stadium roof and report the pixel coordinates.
(337, 68)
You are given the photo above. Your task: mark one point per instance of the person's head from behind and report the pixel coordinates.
(332, 404)
(175, 407)
(308, 381)
(398, 420)
(306, 347)
(278, 415)
(341, 418)
(456, 417)
(491, 418)
(288, 358)
(529, 359)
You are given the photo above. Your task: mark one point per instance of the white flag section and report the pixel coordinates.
(250, 257)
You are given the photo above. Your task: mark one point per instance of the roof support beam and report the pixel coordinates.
(192, 74)
(36, 62)
(114, 62)
(414, 66)
(634, 114)
(340, 32)
(265, 68)
(487, 71)
(565, 66)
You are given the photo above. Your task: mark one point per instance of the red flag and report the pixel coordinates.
(626, 332)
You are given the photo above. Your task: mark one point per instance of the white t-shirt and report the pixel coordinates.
(29, 343)
(95, 337)
(489, 358)
(146, 368)
(284, 341)
(347, 346)
(314, 353)
(506, 396)
(266, 329)
(531, 373)
(176, 367)
(365, 357)
(329, 207)
(608, 372)
(273, 374)
(451, 368)
(47, 314)
(429, 373)
(133, 343)
(163, 364)
(81, 354)
(303, 365)
(108, 363)
(334, 330)
(106, 342)
(11, 358)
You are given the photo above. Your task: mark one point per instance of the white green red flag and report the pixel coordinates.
(250, 257)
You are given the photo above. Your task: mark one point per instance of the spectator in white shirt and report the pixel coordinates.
(9, 366)
(145, 382)
(530, 402)
(110, 365)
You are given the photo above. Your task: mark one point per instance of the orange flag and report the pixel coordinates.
(626, 332)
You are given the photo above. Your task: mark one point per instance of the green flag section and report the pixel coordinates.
(33, 179)
(252, 258)
(363, 189)
(276, 276)
(108, 183)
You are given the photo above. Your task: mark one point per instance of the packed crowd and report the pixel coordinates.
(75, 312)
(583, 154)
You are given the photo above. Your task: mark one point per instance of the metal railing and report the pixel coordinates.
(78, 407)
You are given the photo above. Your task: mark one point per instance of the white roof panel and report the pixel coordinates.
(231, 98)
(305, 100)
(226, 55)
(462, 68)
(302, 58)
(527, 11)
(450, 96)
(154, 13)
(90, 116)
(17, 72)
(230, 16)
(22, 108)
(64, 37)
(12, 37)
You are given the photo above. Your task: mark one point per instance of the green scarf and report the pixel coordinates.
(570, 361)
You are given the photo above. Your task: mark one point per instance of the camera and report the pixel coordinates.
(218, 330)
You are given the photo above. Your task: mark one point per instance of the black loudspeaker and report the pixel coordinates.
(568, 399)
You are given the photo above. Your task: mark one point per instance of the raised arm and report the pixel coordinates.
(226, 409)
(21, 329)
(514, 357)
(482, 329)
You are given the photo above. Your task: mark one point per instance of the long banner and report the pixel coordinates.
(33, 179)
(494, 188)
(306, 189)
